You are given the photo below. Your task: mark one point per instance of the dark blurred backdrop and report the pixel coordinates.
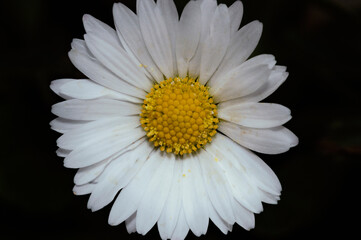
(319, 41)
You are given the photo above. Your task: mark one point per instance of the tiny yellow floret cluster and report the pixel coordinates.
(179, 115)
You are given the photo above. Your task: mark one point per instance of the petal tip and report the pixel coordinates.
(294, 141)
(87, 17)
(69, 164)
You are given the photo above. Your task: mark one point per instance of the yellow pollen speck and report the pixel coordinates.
(179, 115)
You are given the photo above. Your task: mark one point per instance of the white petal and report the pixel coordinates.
(240, 81)
(117, 60)
(91, 24)
(83, 189)
(277, 77)
(95, 131)
(103, 31)
(241, 45)
(80, 46)
(217, 186)
(127, 25)
(263, 59)
(117, 175)
(57, 84)
(153, 200)
(256, 115)
(268, 197)
(89, 154)
(181, 230)
(124, 44)
(257, 171)
(101, 75)
(217, 220)
(241, 187)
(94, 109)
(130, 223)
(88, 174)
(188, 35)
(60, 152)
(169, 217)
(216, 43)
(129, 198)
(244, 217)
(235, 16)
(270, 141)
(63, 125)
(86, 89)
(195, 196)
(170, 16)
(156, 36)
(208, 8)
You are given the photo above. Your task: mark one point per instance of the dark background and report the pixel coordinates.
(319, 41)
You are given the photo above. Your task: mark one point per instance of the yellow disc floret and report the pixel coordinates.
(179, 115)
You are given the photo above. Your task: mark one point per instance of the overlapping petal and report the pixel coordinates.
(173, 206)
(77, 109)
(255, 115)
(155, 35)
(87, 89)
(269, 140)
(215, 43)
(188, 35)
(127, 25)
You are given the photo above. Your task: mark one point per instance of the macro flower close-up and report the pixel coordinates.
(167, 121)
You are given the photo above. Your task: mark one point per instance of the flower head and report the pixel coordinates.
(168, 115)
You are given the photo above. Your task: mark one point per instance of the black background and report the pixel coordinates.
(318, 40)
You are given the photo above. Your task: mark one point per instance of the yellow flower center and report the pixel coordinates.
(179, 115)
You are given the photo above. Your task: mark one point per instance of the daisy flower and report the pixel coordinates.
(166, 121)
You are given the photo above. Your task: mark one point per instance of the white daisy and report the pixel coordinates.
(168, 116)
